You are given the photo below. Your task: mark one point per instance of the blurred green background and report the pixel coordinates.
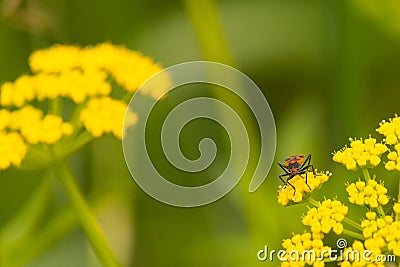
(329, 70)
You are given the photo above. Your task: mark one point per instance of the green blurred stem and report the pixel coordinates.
(59, 225)
(367, 177)
(55, 106)
(25, 219)
(86, 217)
(353, 234)
(206, 23)
(352, 223)
(78, 141)
(365, 172)
(313, 202)
(75, 114)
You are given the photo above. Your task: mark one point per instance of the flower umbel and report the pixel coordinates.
(84, 75)
(391, 130)
(287, 196)
(301, 242)
(72, 96)
(381, 232)
(361, 153)
(327, 217)
(370, 193)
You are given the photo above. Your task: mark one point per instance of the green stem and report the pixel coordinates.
(352, 223)
(78, 141)
(367, 177)
(86, 217)
(206, 23)
(313, 202)
(58, 226)
(55, 106)
(75, 115)
(353, 234)
(365, 172)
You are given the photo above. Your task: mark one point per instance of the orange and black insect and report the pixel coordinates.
(296, 165)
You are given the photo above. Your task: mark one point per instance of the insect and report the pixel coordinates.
(296, 165)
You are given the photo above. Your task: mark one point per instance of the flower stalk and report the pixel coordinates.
(88, 221)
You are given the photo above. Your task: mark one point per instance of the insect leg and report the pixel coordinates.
(283, 167)
(287, 182)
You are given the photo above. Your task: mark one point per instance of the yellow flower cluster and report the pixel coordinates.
(128, 68)
(105, 115)
(34, 126)
(300, 243)
(78, 73)
(83, 75)
(358, 260)
(391, 130)
(394, 159)
(368, 193)
(380, 233)
(287, 196)
(396, 208)
(360, 153)
(328, 216)
(12, 149)
(26, 126)
(74, 84)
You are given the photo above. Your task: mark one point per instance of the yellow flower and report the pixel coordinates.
(17, 93)
(74, 84)
(368, 193)
(12, 149)
(36, 128)
(396, 208)
(327, 217)
(78, 73)
(5, 119)
(360, 154)
(105, 115)
(84, 75)
(129, 68)
(57, 58)
(287, 196)
(394, 159)
(298, 244)
(381, 232)
(391, 130)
